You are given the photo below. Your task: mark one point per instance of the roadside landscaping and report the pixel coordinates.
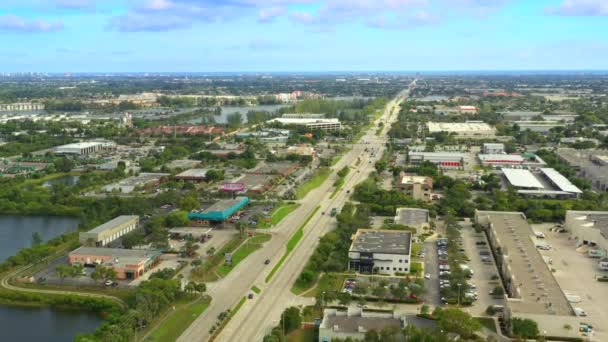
(291, 244)
(179, 320)
(282, 212)
(249, 246)
(339, 183)
(207, 271)
(223, 320)
(319, 177)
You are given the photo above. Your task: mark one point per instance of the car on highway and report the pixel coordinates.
(267, 261)
(427, 276)
(250, 296)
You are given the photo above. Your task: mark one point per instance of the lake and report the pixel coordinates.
(27, 324)
(227, 110)
(16, 231)
(65, 180)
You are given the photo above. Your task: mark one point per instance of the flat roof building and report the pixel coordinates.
(443, 160)
(531, 288)
(589, 228)
(130, 184)
(332, 124)
(102, 235)
(538, 126)
(302, 116)
(496, 160)
(128, 263)
(493, 148)
(471, 129)
(193, 175)
(418, 187)
(589, 164)
(354, 323)
(380, 251)
(80, 148)
(413, 217)
(546, 183)
(220, 211)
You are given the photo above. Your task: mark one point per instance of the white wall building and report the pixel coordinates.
(332, 124)
(354, 323)
(589, 228)
(380, 251)
(470, 129)
(493, 148)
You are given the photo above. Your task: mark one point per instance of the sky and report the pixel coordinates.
(302, 35)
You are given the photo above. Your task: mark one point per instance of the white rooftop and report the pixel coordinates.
(299, 121)
(508, 157)
(522, 178)
(80, 144)
(560, 181)
(460, 127)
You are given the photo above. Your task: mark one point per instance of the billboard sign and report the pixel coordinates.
(233, 187)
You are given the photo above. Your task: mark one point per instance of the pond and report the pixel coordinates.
(16, 231)
(68, 180)
(227, 110)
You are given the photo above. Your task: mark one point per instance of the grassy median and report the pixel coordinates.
(291, 244)
(319, 177)
(253, 244)
(179, 320)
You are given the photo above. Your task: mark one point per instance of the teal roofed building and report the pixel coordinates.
(220, 211)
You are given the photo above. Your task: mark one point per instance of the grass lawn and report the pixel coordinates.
(303, 335)
(320, 176)
(178, 321)
(486, 323)
(327, 282)
(292, 243)
(207, 271)
(311, 312)
(252, 245)
(283, 211)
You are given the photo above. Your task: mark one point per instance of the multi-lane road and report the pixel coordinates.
(259, 314)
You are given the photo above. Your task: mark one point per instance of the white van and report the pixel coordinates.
(539, 235)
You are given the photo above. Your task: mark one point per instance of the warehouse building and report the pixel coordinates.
(380, 251)
(332, 124)
(130, 184)
(538, 126)
(493, 148)
(220, 211)
(443, 160)
(589, 164)
(352, 324)
(413, 217)
(104, 234)
(128, 263)
(193, 175)
(418, 187)
(589, 228)
(547, 183)
(501, 160)
(83, 148)
(469, 129)
(531, 290)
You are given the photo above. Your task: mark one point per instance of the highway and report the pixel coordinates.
(261, 313)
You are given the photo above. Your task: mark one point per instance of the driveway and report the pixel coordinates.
(431, 266)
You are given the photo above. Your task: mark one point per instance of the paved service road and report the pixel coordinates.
(431, 266)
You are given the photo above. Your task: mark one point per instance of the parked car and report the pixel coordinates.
(108, 283)
(427, 276)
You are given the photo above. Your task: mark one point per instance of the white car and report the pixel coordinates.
(580, 312)
(427, 276)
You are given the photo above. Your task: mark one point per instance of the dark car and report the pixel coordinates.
(250, 296)
(480, 243)
(267, 261)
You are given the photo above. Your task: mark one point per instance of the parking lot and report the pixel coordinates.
(484, 268)
(575, 272)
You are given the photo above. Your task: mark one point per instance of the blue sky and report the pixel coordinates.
(301, 35)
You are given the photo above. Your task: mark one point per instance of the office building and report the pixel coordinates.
(443, 160)
(323, 124)
(470, 129)
(493, 148)
(128, 263)
(418, 187)
(380, 251)
(352, 324)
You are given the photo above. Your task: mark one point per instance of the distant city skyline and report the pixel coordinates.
(72, 36)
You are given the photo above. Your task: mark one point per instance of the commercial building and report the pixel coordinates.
(502, 160)
(444, 160)
(589, 164)
(270, 135)
(303, 116)
(352, 324)
(470, 129)
(380, 251)
(140, 181)
(193, 175)
(467, 109)
(413, 217)
(493, 148)
(323, 124)
(589, 228)
(302, 150)
(83, 148)
(128, 263)
(418, 187)
(109, 231)
(538, 126)
(547, 183)
(21, 107)
(531, 290)
(520, 116)
(220, 211)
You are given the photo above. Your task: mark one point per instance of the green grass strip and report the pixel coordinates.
(172, 327)
(320, 176)
(256, 289)
(291, 244)
(252, 245)
(282, 212)
(233, 312)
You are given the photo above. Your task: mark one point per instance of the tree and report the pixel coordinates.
(525, 328)
(103, 273)
(360, 290)
(234, 120)
(344, 298)
(62, 271)
(211, 251)
(36, 239)
(424, 309)
(457, 321)
(189, 203)
(291, 319)
(132, 239)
